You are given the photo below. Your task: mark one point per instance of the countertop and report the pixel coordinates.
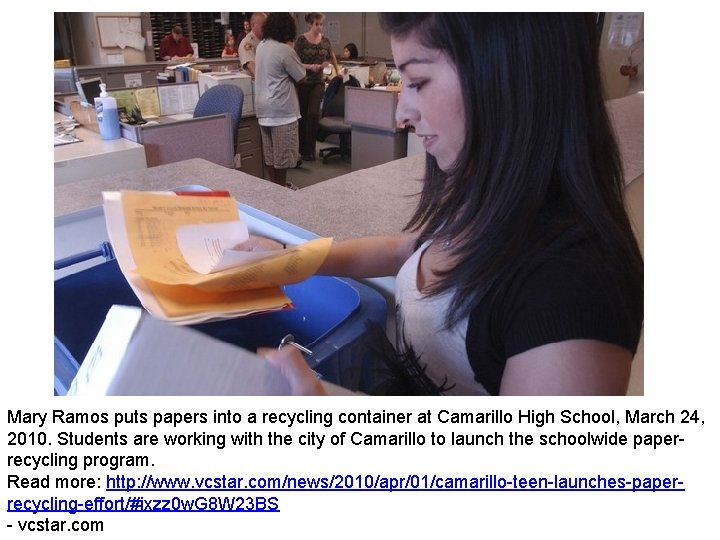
(81, 160)
(378, 200)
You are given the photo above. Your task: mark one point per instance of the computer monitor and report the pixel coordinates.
(89, 89)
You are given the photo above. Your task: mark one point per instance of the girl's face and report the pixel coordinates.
(346, 53)
(431, 99)
(231, 40)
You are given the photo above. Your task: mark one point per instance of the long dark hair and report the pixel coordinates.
(539, 153)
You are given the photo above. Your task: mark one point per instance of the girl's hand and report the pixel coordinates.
(303, 380)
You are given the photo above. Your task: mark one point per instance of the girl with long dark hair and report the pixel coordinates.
(518, 272)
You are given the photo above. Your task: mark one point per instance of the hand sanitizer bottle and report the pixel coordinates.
(107, 115)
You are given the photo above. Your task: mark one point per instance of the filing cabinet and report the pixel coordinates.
(249, 147)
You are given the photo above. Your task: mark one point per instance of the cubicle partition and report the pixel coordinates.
(376, 137)
(207, 137)
(138, 85)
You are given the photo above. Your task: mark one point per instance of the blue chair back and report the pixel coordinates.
(333, 103)
(223, 98)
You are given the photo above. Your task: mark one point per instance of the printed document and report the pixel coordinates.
(179, 253)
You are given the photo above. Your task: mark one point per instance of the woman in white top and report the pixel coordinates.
(519, 272)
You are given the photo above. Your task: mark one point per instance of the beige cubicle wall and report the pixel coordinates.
(376, 137)
(207, 137)
(361, 28)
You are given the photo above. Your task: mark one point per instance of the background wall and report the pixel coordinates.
(86, 40)
(364, 30)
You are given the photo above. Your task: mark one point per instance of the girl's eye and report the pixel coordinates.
(416, 85)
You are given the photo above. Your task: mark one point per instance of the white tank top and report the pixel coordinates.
(420, 327)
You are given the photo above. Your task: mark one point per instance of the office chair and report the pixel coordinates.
(332, 121)
(223, 98)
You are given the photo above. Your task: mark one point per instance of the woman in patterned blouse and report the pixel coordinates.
(316, 54)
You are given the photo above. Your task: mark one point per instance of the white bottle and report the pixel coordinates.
(107, 115)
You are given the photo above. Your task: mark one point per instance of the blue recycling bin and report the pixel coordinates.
(330, 316)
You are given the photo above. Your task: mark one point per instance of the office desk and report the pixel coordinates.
(94, 156)
(376, 138)
(171, 139)
(167, 140)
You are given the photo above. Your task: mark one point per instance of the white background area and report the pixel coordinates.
(681, 355)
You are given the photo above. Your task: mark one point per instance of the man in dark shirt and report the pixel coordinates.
(175, 46)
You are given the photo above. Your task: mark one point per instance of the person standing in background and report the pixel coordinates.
(277, 68)
(175, 46)
(247, 47)
(244, 31)
(316, 53)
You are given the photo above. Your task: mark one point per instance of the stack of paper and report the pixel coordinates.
(180, 256)
(137, 355)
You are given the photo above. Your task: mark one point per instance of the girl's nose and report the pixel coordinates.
(405, 113)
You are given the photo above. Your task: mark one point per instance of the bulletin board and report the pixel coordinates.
(112, 30)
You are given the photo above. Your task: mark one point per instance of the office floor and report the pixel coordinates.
(312, 172)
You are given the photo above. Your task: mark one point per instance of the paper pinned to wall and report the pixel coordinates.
(133, 80)
(148, 102)
(332, 31)
(120, 32)
(136, 41)
(125, 99)
(179, 98)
